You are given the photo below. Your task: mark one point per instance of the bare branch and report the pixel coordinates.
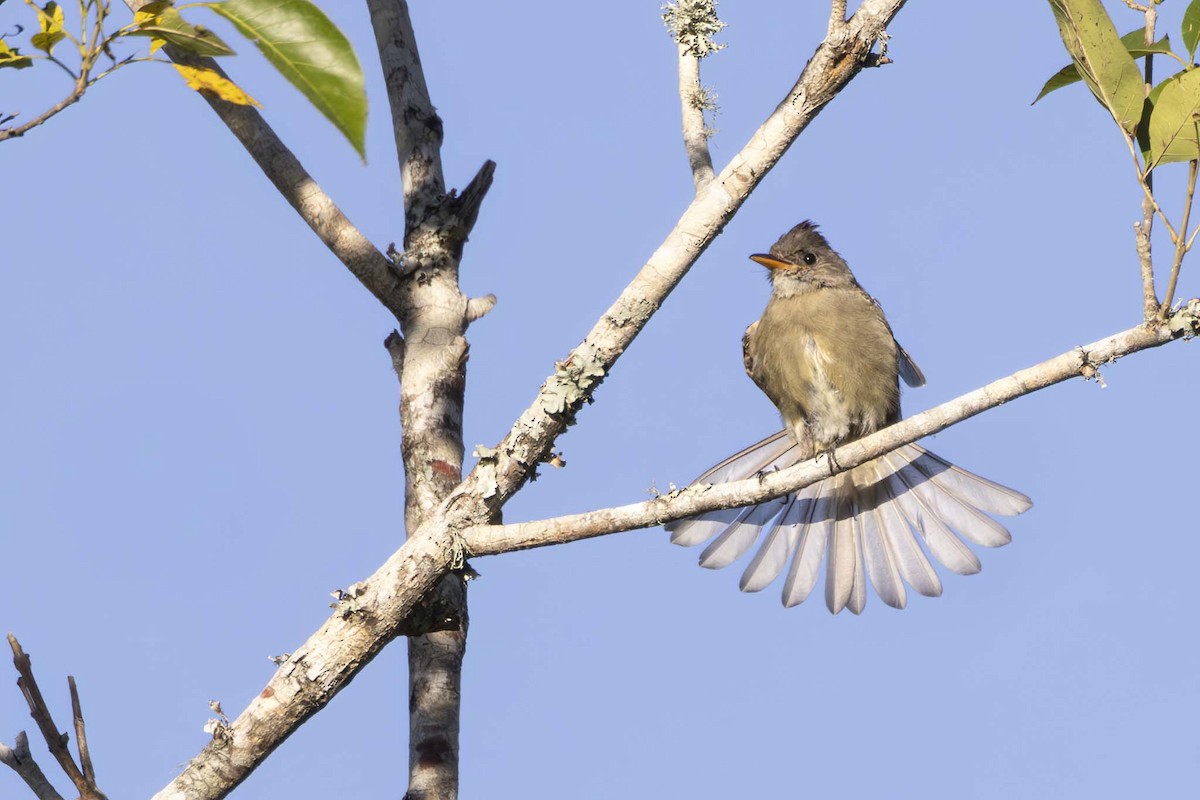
(1143, 231)
(56, 742)
(1142, 242)
(1181, 244)
(81, 86)
(1080, 361)
(477, 307)
(415, 124)
(694, 100)
(81, 742)
(21, 761)
(302, 192)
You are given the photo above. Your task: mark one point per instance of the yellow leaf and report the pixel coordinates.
(155, 44)
(207, 80)
(151, 12)
(51, 19)
(11, 57)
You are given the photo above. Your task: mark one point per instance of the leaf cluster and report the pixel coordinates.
(1163, 121)
(295, 36)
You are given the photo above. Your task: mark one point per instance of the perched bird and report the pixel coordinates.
(825, 355)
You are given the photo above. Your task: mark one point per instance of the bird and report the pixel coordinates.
(824, 354)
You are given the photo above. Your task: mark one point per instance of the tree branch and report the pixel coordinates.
(1142, 231)
(298, 187)
(1142, 243)
(1080, 361)
(84, 780)
(21, 761)
(1182, 243)
(71, 99)
(693, 100)
(432, 373)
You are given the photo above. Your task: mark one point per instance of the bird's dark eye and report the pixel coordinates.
(810, 259)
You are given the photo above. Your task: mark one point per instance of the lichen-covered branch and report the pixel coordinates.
(693, 24)
(694, 100)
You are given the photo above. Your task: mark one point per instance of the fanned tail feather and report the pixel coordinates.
(867, 524)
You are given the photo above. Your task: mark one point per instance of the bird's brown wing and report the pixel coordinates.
(747, 356)
(910, 373)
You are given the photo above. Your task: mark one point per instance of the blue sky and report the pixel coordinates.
(200, 437)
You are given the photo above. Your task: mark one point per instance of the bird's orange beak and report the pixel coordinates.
(771, 262)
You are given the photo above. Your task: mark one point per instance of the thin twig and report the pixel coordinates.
(81, 742)
(58, 63)
(1181, 243)
(66, 102)
(1143, 231)
(1142, 244)
(1145, 180)
(692, 101)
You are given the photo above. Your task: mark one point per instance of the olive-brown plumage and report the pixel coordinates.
(825, 355)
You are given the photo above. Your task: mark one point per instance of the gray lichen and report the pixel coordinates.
(693, 24)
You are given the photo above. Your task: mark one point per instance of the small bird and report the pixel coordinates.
(824, 354)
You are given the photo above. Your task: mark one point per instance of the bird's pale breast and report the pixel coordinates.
(827, 359)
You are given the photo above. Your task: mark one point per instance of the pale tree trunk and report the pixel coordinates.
(430, 356)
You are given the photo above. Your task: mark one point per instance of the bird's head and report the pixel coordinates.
(803, 261)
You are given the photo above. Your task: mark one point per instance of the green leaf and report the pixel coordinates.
(309, 50)
(162, 21)
(1191, 28)
(1103, 62)
(51, 19)
(12, 58)
(1135, 45)
(1143, 134)
(1173, 135)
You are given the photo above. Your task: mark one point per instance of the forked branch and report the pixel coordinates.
(82, 775)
